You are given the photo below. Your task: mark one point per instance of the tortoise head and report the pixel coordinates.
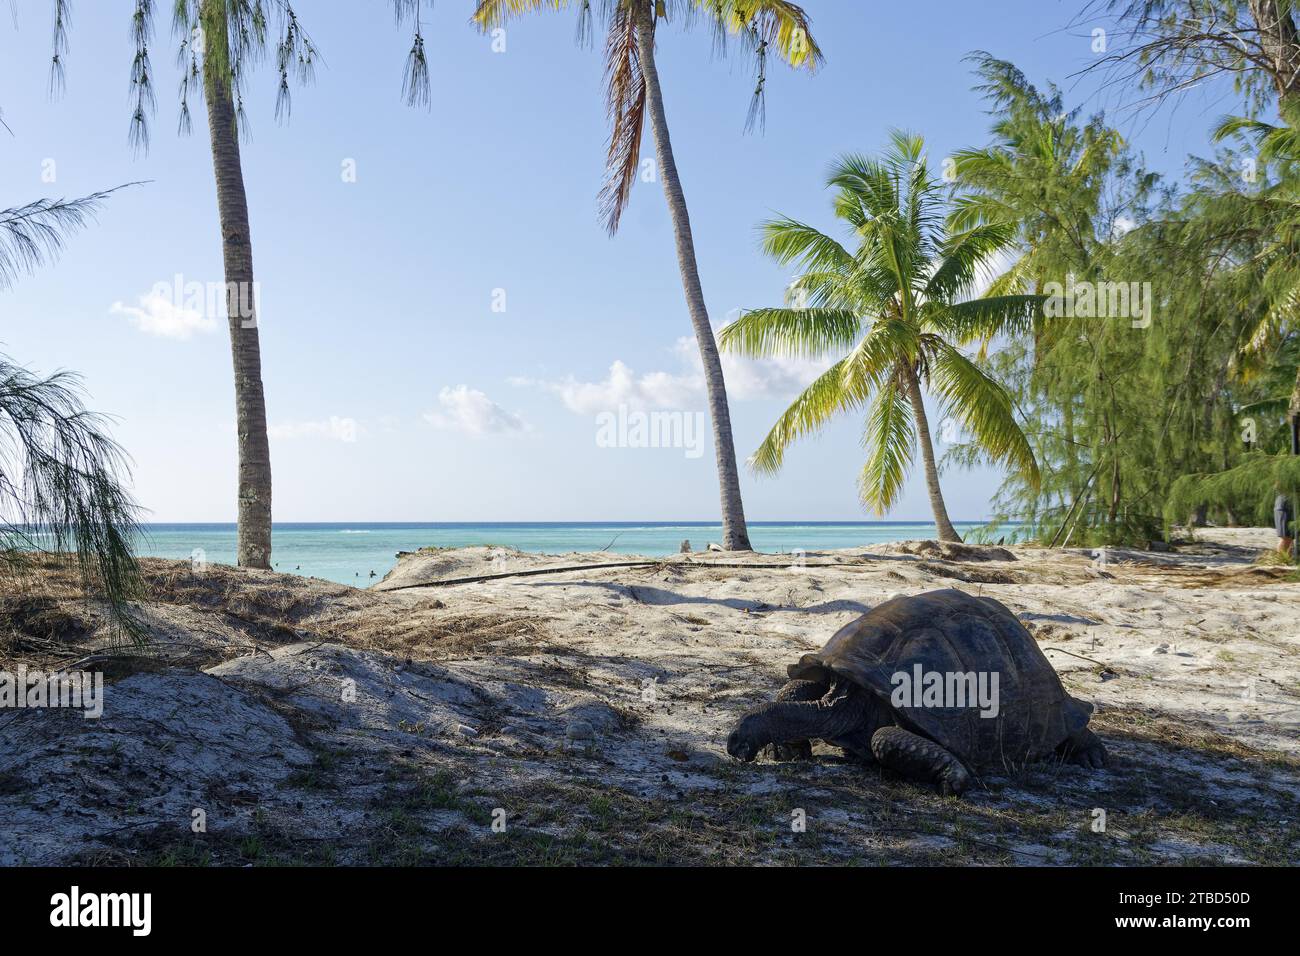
(750, 735)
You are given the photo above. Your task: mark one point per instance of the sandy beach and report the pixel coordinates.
(574, 708)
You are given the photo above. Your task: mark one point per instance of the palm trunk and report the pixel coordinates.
(946, 531)
(254, 540)
(735, 536)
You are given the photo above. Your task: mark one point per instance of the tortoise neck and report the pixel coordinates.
(843, 710)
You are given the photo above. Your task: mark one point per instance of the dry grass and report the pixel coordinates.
(1152, 727)
(46, 619)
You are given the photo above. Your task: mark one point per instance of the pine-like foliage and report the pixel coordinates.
(60, 472)
(1185, 380)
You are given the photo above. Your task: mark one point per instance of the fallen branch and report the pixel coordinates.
(1061, 650)
(620, 564)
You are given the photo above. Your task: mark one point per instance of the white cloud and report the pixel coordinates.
(747, 380)
(467, 409)
(159, 315)
(753, 379)
(334, 428)
(623, 387)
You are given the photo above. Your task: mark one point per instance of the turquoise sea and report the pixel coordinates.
(348, 552)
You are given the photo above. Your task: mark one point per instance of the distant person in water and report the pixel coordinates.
(1282, 518)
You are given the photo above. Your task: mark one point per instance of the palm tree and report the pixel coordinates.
(632, 91)
(227, 41)
(219, 41)
(60, 488)
(894, 308)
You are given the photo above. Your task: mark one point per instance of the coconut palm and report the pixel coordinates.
(60, 488)
(895, 309)
(632, 91)
(219, 41)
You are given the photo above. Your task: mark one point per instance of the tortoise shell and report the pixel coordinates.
(951, 632)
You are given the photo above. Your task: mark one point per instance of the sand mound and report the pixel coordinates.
(950, 550)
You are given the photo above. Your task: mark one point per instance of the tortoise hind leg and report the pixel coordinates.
(802, 691)
(919, 758)
(1084, 748)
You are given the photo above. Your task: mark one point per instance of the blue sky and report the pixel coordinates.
(395, 390)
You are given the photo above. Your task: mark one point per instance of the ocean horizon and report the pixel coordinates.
(348, 552)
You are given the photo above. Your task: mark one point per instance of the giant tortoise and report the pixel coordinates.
(858, 693)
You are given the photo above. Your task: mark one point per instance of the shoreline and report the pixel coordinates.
(348, 552)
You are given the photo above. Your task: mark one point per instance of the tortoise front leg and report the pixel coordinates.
(919, 758)
(1085, 749)
(799, 691)
(857, 744)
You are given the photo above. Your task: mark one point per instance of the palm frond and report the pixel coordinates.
(866, 189)
(982, 405)
(625, 99)
(789, 241)
(971, 210)
(415, 75)
(889, 438)
(141, 75)
(803, 333)
(965, 257)
(830, 393)
(766, 24)
(489, 14)
(1273, 142)
(986, 317)
(1014, 281)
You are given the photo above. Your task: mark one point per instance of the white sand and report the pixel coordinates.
(591, 707)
